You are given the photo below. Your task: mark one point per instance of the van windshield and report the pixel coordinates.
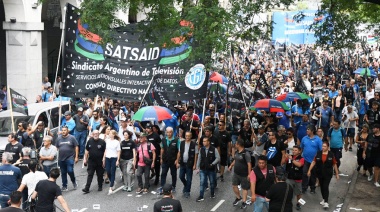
(6, 123)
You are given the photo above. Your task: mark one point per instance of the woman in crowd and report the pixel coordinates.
(127, 159)
(361, 138)
(338, 104)
(324, 163)
(111, 158)
(104, 134)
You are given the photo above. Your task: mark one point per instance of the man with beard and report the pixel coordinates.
(154, 139)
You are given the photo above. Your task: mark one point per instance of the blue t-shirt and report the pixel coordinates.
(336, 140)
(70, 125)
(301, 129)
(333, 94)
(326, 116)
(363, 107)
(9, 176)
(284, 121)
(172, 123)
(94, 123)
(310, 147)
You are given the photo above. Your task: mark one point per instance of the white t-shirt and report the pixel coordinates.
(112, 147)
(370, 95)
(350, 124)
(31, 179)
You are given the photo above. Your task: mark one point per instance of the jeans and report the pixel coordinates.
(67, 167)
(4, 200)
(157, 169)
(260, 203)
(306, 181)
(173, 171)
(81, 139)
(361, 121)
(338, 114)
(324, 183)
(111, 169)
(140, 171)
(127, 170)
(92, 167)
(203, 175)
(186, 176)
(24, 198)
(48, 168)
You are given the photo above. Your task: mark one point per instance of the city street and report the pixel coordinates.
(123, 201)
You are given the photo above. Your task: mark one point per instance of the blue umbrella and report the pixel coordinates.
(365, 72)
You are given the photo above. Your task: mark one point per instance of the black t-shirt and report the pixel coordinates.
(373, 117)
(11, 209)
(246, 136)
(276, 194)
(185, 126)
(15, 149)
(373, 146)
(38, 137)
(155, 139)
(47, 192)
(224, 138)
(213, 141)
(274, 153)
(281, 138)
(24, 166)
(237, 125)
(241, 160)
(19, 135)
(127, 148)
(167, 205)
(95, 149)
(27, 140)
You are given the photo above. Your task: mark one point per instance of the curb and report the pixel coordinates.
(350, 191)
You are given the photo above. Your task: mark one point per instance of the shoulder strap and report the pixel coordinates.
(342, 132)
(286, 196)
(329, 132)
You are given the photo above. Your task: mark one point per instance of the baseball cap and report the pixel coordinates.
(149, 126)
(80, 109)
(261, 127)
(280, 171)
(376, 126)
(67, 113)
(167, 189)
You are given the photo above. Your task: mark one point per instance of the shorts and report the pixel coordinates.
(234, 139)
(351, 132)
(297, 186)
(239, 180)
(223, 159)
(372, 161)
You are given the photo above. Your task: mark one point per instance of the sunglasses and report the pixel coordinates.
(289, 134)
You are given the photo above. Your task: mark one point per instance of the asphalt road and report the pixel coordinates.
(122, 201)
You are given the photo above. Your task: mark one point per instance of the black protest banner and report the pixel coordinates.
(263, 86)
(125, 69)
(19, 102)
(235, 99)
(301, 87)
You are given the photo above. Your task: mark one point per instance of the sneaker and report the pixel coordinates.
(64, 188)
(312, 191)
(100, 189)
(377, 185)
(173, 190)
(160, 191)
(322, 202)
(110, 191)
(107, 181)
(86, 191)
(298, 207)
(207, 189)
(350, 149)
(200, 199)
(75, 184)
(212, 196)
(326, 205)
(358, 169)
(221, 178)
(125, 188)
(304, 191)
(114, 185)
(187, 194)
(370, 177)
(236, 202)
(139, 191)
(145, 191)
(243, 205)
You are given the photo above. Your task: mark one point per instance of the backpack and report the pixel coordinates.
(330, 132)
(253, 159)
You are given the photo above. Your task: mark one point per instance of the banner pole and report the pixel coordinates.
(147, 89)
(247, 109)
(10, 106)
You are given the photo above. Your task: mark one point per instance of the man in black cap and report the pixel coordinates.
(280, 194)
(167, 203)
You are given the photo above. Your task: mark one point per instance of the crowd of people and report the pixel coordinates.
(272, 156)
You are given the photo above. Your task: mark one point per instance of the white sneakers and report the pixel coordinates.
(110, 191)
(377, 185)
(370, 177)
(322, 203)
(326, 205)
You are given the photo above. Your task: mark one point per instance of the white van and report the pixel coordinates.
(48, 112)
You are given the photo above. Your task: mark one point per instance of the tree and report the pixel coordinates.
(212, 28)
(342, 19)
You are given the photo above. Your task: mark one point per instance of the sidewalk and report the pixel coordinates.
(362, 195)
